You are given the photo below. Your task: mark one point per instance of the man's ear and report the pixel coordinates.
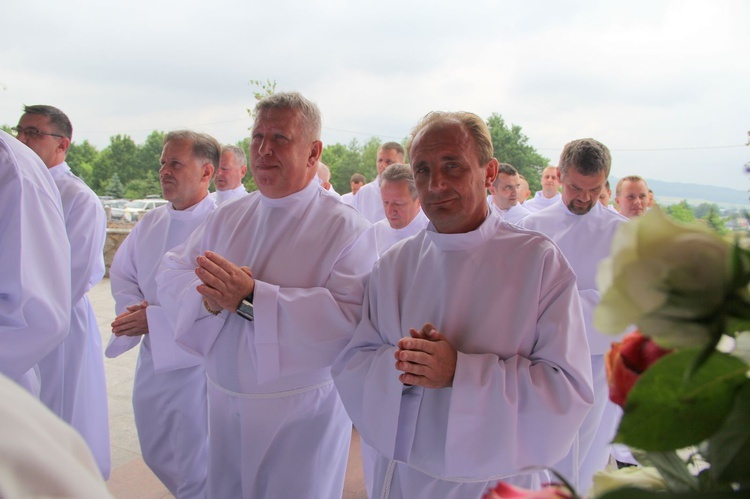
(208, 171)
(491, 173)
(64, 144)
(559, 175)
(315, 151)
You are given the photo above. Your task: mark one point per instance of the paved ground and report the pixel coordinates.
(131, 478)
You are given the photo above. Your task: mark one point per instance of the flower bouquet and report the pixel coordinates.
(682, 377)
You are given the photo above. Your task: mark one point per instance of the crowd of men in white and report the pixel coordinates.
(452, 328)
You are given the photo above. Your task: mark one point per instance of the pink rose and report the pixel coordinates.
(506, 491)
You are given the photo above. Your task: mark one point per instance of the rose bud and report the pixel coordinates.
(626, 361)
(507, 491)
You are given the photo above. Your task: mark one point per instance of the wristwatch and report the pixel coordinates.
(245, 310)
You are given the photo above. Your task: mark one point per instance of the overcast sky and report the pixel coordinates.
(664, 84)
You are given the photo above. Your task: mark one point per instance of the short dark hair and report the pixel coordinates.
(392, 146)
(358, 177)
(587, 156)
(505, 168)
(205, 147)
(59, 120)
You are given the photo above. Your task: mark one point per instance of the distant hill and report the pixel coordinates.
(673, 192)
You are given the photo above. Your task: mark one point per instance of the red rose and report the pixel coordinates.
(506, 491)
(626, 361)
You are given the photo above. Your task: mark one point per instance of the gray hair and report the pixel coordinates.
(587, 156)
(472, 123)
(399, 172)
(238, 152)
(59, 120)
(309, 111)
(205, 147)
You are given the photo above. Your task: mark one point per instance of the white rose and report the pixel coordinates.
(668, 279)
(643, 477)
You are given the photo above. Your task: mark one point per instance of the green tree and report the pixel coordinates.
(681, 212)
(120, 157)
(346, 160)
(148, 185)
(262, 89)
(714, 221)
(703, 209)
(148, 156)
(81, 158)
(114, 187)
(511, 146)
(248, 181)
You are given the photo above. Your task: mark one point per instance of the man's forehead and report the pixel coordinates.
(441, 135)
(389, 152)
(36, 119)
(177, 147)
(636, 185)
(281, 117)
(228, 158)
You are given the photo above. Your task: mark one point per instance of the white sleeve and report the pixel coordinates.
(123, 276)
(35, 295)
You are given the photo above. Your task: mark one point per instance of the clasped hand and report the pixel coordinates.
(225, 284)
(132, 322)
(426, 358)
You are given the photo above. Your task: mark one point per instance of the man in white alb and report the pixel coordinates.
(356, 183)
(549, 194)
(169, 392)
(34, 263)
(523, 189)
(403, 215)
(229, 175)
(631, 196)
(504, 194)
(79, 396)
(368, 200)
(444, 377)
(324, 178)
(583, 229)
(275, 296)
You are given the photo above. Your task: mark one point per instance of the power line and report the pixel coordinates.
(368, 134)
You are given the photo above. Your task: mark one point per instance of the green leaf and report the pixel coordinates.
(671, 467)
(633, 493)
(666, 411)
(729, 448)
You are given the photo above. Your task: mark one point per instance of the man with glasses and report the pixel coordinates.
(72, 376)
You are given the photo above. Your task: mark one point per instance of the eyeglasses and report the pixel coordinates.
(32, 132)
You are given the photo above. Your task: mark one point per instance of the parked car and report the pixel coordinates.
(134, 210)
(116, 207)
